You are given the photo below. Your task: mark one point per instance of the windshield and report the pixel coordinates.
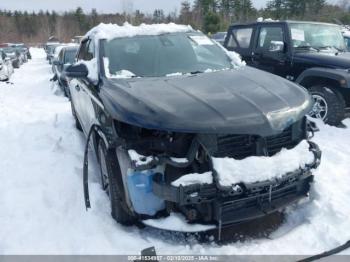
(219, 35)
(164, 55)
(8, 50)
(51, 48)
(70, 56)
(317, 36)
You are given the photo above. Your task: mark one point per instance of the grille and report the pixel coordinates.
(243, 146)
(236, 146)
(274, 144)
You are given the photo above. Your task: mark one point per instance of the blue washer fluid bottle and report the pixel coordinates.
(140, 189)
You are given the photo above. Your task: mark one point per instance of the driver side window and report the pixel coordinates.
(269, 35)
(347, 41)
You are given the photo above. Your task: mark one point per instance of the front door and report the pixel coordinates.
(88, 91)
(270, 50)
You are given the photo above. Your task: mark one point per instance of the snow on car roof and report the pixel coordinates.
(111, 31)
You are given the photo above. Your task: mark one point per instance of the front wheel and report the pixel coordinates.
(111, 180)
(329, 105)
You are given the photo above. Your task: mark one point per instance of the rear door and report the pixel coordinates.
(266, 54)
(59, 67)
(239, 40)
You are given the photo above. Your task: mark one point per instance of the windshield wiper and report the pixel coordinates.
(196, 72)
(307, 47)
(329, 46)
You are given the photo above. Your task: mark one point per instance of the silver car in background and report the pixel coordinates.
(6, 68)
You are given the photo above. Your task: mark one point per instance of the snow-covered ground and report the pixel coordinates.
(41, 197)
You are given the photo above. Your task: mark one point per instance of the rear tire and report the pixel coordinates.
(111, 180)
(329, 105)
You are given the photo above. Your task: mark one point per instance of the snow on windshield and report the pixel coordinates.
(118, 74)
(113, 31)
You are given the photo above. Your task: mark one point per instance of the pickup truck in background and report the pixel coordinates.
(311, 54)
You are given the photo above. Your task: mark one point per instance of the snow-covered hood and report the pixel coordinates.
(241, 101)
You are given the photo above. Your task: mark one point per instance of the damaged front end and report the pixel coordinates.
(152, 161)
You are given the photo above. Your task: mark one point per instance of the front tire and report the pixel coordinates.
(111, 180)
(329, 105)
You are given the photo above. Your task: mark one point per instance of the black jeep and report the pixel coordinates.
(311, 54)
(159, 108)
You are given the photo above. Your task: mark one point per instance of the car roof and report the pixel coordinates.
(71, 48)
(281, 22)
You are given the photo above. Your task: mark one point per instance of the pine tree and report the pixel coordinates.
(158, 16)
(185, 13)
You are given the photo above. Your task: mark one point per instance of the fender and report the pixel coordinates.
(342, 76)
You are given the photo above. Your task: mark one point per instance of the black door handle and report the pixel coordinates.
(77, 87)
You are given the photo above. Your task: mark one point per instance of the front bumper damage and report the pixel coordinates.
(224, 206)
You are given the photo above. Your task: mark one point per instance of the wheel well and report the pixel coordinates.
(96, 139)
(321, 81)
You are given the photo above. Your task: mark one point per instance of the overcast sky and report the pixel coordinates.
(106, 6)
(101, 5)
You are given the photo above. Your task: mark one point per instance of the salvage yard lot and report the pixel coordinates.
(42, 208)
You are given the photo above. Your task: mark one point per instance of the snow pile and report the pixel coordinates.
(91, 67)
(179, 160)
(191, 179)
(235, 57)
(176, 222)
(259, 169)
(346, 31)
(261, 19)
(120, 74)
(111, 31)
(139, 159)
(175, 74)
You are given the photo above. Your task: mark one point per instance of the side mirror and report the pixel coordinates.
(77, 71)
(277, 47)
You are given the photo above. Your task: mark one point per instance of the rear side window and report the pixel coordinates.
(267, 35)
(347, 41)
(240, 37)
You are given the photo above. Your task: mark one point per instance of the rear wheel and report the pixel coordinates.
(329, 105)
(111, 181)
